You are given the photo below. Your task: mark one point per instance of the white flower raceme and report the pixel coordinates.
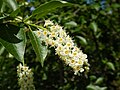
(56, 37)
(25, 78)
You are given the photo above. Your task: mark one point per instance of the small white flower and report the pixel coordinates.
(65, 47)
(25, 78)
(48, 22)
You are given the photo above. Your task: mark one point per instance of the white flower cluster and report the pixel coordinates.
(25, 78)
(64, 46)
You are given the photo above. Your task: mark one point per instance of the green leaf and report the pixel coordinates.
(93, 26)
(82, 40)
(115, 5)
(8, 32)
(15, 13)
(111, 65)
(40, 50)
(48, 7)
(96, 6)
(17, 50)
(12, 4)
(1, 49)
(1, 3)
(99, 80)
(95, 87)
(71, 24)
(2, 7)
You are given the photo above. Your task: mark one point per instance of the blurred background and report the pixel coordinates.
(95, 27)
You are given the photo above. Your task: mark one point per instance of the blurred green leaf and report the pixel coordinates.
(40, 50)
(2, 6)
(93, 26)
(115, 5)
(92, 77)
(96, 6)
(18, 49)
(48, 7)
(82, 40)
(1, 3)
(99, 80)
(1, 49)
(71, 24)
(110, 65)
(15, 12)
(12, 4)
(82, 20)
(95, 87)
(8, 32)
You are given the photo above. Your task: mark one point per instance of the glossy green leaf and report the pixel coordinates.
(18, 49)
(48, 7)
(40, 50)
(12, 4)
(8, 32)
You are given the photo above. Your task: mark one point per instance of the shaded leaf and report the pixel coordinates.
(8, 32)
(18, 49)
(40, 50)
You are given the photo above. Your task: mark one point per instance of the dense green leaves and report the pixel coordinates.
(48, 7)
(8, 32)
(18, 49)
(40, 50)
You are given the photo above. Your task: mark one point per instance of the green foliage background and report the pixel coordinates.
(95, 30)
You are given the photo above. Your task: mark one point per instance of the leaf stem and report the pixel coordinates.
(39, 27)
